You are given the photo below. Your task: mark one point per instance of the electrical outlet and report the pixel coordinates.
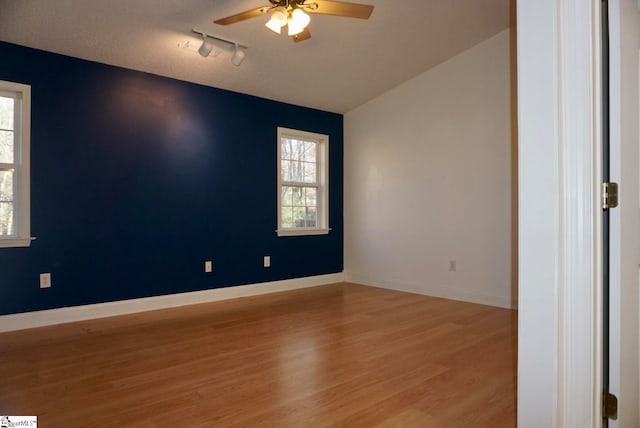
(208, 266)
(267, 261)
(45, 280)
(452, 266)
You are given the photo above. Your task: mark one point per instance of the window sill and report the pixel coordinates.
(15, 242)
(301, 231)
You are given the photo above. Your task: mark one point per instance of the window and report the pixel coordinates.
(303, 183)
(15, 108)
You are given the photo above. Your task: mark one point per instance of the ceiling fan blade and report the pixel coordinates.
(301, 37)
(331, 7)
(242, 16)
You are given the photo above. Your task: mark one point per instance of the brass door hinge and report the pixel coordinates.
(609, 195)
(610, 406)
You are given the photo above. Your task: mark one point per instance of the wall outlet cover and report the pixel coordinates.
(45, 280)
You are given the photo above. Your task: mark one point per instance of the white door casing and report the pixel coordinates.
(624, 42)
(559, 363)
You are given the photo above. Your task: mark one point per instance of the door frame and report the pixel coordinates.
(625, 220)
(559, 117)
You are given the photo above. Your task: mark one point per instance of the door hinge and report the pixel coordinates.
(609, 195)
(610, 406)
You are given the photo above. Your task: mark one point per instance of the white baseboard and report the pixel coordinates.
(123, 307)
(428, 290)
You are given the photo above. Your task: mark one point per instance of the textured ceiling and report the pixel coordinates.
(346, 63)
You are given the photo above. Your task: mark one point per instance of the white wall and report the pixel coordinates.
(537, 142)
(428, 170)
(625, 41)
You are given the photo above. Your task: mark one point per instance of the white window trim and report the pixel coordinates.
(23, 162)
(323, 184)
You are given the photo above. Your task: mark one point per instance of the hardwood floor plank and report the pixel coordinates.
(338, 355)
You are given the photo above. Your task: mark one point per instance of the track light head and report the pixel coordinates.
(207, 46)
(238, 55)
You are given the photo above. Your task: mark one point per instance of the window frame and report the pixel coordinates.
(321, 184)
(21, 164)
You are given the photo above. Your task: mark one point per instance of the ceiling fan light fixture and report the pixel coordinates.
(299, 20)
(292, 13)
(238, 55)
(295, 30)
(206, 47)
(273, 26)
(278, 19)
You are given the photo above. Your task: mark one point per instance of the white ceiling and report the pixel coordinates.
(346, 63)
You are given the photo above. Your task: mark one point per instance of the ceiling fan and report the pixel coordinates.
(292, 14)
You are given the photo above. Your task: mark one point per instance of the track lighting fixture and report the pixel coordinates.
(208, 45)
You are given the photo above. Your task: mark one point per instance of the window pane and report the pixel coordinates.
(6, 219)
(286, 214)
(294, 196)
(6, 113)
(298, 150)
(311, 218)
(299, 160)
(297, 171)
(311, 197)
(309, 172)
(299, 206)
(292, 171)
(285, 170)
(290, 149)
(310, 149)
(298, 216)
(6, 203)
(6, 186)
(297, 196)
(6, 146)
(287, 196)
(285, 148)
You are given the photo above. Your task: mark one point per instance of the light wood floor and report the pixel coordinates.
(339, 355)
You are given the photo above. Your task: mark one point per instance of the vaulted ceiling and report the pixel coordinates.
(346, 63)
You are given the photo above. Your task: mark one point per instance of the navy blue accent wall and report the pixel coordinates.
(137, 179)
